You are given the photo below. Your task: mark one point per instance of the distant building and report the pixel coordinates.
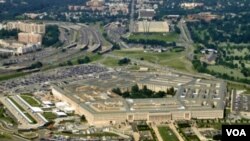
(14, 47)
(96, 4)
(151, 26)
(191, 5)
(143, 69)
(63, 106)
(26, 27)
(35, 15)
(2, 1)
(116, 8)
(1, 26)
(29, 38)
(28, 48)
(146, 14)
(206, 16)
(76, 7)
(209, 56)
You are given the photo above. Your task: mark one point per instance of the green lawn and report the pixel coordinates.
(175, 60)
(109, 61)
(4, 136)
(18, 106)
(167, 134)
(31, 118)
(12, 75)
(167, 37)
(243, 52)
(143, 127)
(5, 117)
(33, 102)
(92, 56)
(231, 72)
(247, 63)
(238, 86)
(21, 109)
(49, 115)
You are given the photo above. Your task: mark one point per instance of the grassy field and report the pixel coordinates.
(167, 134)
(92, 56)
(231, 72)
(238, 86)
(31, 118)
(167, 37)
(5, 117)
(33, 102)
(21, 109)
(12, 75)
(109, 61)
(243, 52)
(143, 127)
(175, 60)
(18, 106)
(4, 136)
(49, 115)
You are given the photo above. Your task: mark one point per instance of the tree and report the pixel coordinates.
(160, 94)
(124, 61)
(116, 46)
(117, 91)
(171, 91)
(177, 29)
(83, 118)
(135, 89)
(51, 36)
(84, 61)
(4, 34)
(69, 63)
(245, 72)
(35, 65)
(139, 93)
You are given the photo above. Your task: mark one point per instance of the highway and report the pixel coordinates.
(83, 39)
(132, 11)
(184, 31)
(95, 40)
(74, 37)
(187, 40)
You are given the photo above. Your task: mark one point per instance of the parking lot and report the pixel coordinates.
(240, 103)
(41, 79)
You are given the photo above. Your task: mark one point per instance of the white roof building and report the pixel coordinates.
(63, 106)
(152, 26)
(36, 109)
(47, 102)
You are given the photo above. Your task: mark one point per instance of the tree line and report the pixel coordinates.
(136, 92)
(149, 42)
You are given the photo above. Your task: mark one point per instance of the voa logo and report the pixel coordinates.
(236, 132)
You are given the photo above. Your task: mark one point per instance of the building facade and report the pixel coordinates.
(26, 27)
(151, 110)
(29, 38)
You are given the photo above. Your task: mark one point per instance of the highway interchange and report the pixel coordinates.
(74, 36)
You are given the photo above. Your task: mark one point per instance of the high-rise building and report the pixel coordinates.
(26, 27)
(29, 38)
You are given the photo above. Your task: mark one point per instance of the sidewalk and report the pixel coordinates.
(171, 126)
(157, 133)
